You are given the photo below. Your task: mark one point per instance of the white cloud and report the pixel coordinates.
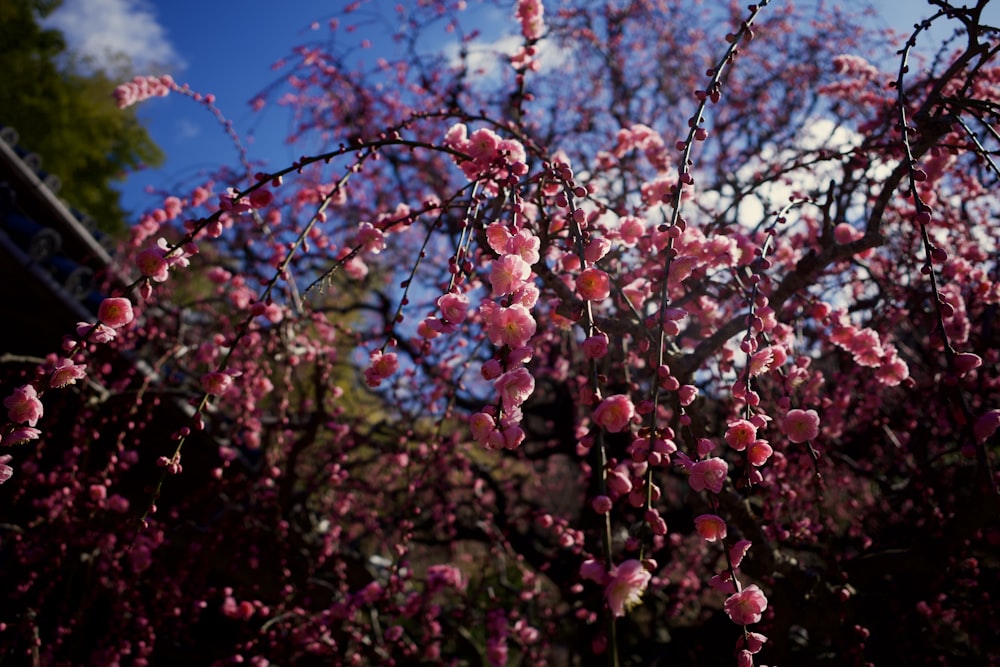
(186, 129)
(487, 59)
(102, 29)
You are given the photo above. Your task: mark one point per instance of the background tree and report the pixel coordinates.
(64, 111)
(692, 306)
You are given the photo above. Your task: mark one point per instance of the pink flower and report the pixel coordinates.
(23, 405)
(801, 425)
(370, 238)
(738, 551)
(530, 15)
(513, 326)
(261, 198)
(498, 237)
(708, 474)
(746, 606)
(481, 425)
(382, 366)
(508, 274)
(142, 88)
(594, 571)
(628, 582)
(454, 307)
(740, 434)
(444, 576)
(98, 333)
(20, 435)
(596, 249)
(686, 394)
(614, 413)
(491, 369)
(966, 362)
(152, 264)
(631, 229)
(619, 482)
(513, 436)
(710, 527)
(596, 346)
(216, 383)
(761, 361)
(514, 387)
(593, 285)
(6, 472)
(115, 312)
(66, 372)
(525, 244)
(759, 452)
(482, 146)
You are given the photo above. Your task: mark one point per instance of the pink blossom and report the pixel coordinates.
(966, 362)
(755, 641)
(618, 482)
(482, 146)
(381, 366)
(631, 229)
(23, 406)
(498, 237)
(593, 570)
(740, 434)
(508, 274)
(602, 504)
(261, 198)
(596, 249)
(6, 472)
(614, 413)
(97, 333)
(530, 15)
(514, 387)
(115, 312)
(893, 370)
(525, 244)
(708, 474)
(593, 285)
(66, 372)
(711, 527)
(371, 239)
(761, 361)
(596, 346)
(513, 326)
(444, 576)
(686, 394)
(738, 551)
(20, 435)
(627, 584)
(844, 233)
(801, 425)
(216, 383)
(454, 307)
(142, 88)
(746, 607)
(152, 264)
(491, 369)
(481, 425)
(513, 436)
(759, 452)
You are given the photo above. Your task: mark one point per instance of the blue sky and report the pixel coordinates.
(227, 47)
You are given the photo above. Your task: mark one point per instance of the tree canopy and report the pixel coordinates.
(65, 112)
(645, 333)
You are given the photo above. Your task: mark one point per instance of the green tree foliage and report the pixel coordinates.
(66, 113)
